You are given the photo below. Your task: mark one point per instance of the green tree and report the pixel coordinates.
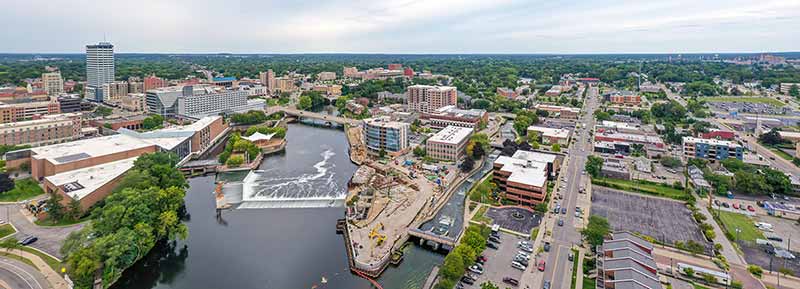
(594, 165)
(771, 138)
(420, 152)
(153, 122)
(305, 103)
(74, 210)
(103, 111)
(521, 124)
(689, 272)
(235, 161)
(596, 231)
(794, 91)
(489, 285)
(382, 153)
(55, 210)
(556, 147)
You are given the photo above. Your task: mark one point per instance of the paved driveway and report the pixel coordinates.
(50, 238)
(515, 219)
(18, 275)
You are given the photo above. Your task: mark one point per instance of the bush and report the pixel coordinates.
(755, 270)
(235, 161)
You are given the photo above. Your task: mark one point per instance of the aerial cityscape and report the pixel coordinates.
(400, 145)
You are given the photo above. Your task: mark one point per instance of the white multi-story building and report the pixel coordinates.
(449, 143)
(99, 68)
(199, 100)
(384, 134)
(53, 83)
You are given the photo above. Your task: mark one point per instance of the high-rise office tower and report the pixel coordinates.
(99, 68)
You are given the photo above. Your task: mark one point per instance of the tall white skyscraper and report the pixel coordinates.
(99, 68)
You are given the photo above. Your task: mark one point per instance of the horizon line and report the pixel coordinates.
(417, 53)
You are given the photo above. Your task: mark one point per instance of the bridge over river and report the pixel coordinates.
(314, 115)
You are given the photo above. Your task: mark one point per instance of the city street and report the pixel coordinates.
(559, 270)
(17, 275)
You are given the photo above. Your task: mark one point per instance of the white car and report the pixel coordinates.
(517, 265)
(523, 255)
(476, 269)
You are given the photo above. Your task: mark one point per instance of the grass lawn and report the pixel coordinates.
(534, 232)
(649, 188)
(782, 153)
(479, 217)
(18, 258)
(732, 221)
(482, 192)
(698, 286)
(52, 262)
(65, 222)
(588, 283)
(6, 230)
(766, 100)
(23, 189)
(575, 258)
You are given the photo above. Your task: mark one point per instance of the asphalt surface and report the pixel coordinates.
(498, 265)
(559, 270)
(50, 238)
(18, 275)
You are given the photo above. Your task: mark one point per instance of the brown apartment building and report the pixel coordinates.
(27, 110)
(523, 177)
(426, 98)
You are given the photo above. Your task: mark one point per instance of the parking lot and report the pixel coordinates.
(785, 228)
(515, 219)
(498, 265)
(757, 255)
(665, 220)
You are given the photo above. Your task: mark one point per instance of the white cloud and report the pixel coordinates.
(402, 26)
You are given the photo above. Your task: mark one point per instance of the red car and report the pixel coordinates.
(750, 208)
(541, 265)
(736, 206)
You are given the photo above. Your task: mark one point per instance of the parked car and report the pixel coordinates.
(742, 207)
(736, 206)
(482, 259)
(546, 285)
(491, 245)
(570, 256)
(476, 269)
(521, 261)
(560, 222)
(716, 202)
(541, 266)
(547, 246)
(467, 280)
(517, 265)
(495, 239)
(563, 210)
(510, 281)
(725, 205)
(524, 255)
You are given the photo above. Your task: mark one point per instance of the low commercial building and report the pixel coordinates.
(612, 147)
(626, 261)
(49, 129)
(551, 135)
(384, 134)
(646, 140)
(617, 126)
(133, 102)
(523, 177)
(711, 149)
(723, 134)
(785, 87)
(69, 103)
(449, 143)
(560, 111)
(790, 136)
(130, 122)
(554, 90)
(452, 116)
(615, 169)
(507, 92)
(326, 75)
(88, 185)
(185, 140)
(329, 89)
(698, 180)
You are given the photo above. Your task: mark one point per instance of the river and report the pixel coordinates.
(281, 248)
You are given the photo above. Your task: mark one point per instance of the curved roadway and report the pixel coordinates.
(18, 275)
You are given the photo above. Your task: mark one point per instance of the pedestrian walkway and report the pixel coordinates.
(55, 280)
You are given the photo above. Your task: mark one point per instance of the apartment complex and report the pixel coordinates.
(114, 90)
(523, 177)
(27, 110)
(626, 261)
(452, 116)
(624, 98)
(551, 135)
(133, 102)
(326, 75)
(50, 129)
(153, 82)
(426, 98)
(711, 149)
(328, 89)
(197, 101)
(448, 144)
(384, 134)
(53, 83)
(99, 68)
(267, 79)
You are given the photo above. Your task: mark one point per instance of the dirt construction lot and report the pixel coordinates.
(665, 220)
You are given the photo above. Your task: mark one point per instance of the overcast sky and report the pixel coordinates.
(403, 26)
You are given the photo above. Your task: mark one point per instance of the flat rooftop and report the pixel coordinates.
(716, 142)
(88, 148)
(385, 122)
(82, 182)
(550, 132)
(451, 135)
(523, 171)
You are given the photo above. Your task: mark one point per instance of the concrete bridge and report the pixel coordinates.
(308, 114)
(445, 241)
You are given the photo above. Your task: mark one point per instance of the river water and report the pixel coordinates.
(281, 248)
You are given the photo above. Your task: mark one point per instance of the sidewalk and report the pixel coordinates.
(55, 280)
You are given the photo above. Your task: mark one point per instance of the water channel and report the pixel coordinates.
(274, 247)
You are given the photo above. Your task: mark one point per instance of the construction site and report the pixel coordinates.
(383, 203)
